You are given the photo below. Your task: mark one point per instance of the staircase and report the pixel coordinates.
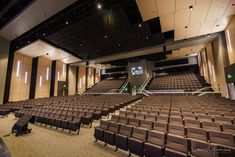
(124, 85)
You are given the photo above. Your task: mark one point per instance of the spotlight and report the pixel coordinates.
(147, 37)
(47, 54)
(105, 36)
(186, 27)
(44, 34)
(65, 58)
(99, 6)
(217, 25)
(208, 35)
(66, 22)
(140, 25)
(191, 8)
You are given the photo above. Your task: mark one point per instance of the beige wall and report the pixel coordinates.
(60, 74)
(97, 75)
(81, 79)
(20, 79)
(230, 38)
(72, 80)
(4, 52)
(90, 79)
(213, 60)
(43, 78)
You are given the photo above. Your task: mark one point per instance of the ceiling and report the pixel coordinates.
(206, 16)
(32, 13)
(122, 29)
(40, 48)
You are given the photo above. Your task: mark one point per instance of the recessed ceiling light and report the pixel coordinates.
(99, 6)
(191, 8)
(44, 34)
(65, 58)
(80, 44)
(217, 25)
(66, 22)
(147, 37)
(186, 27)
(208, 35)
(105, 36)
(140, 25)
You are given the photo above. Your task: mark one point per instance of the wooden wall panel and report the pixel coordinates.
(72, 80)
(20, 80)
(60, 74)
(97, 75)
(230, 39)
(81, 79)
(90, 78)
(43, 78)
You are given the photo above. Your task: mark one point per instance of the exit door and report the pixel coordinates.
(62, 88)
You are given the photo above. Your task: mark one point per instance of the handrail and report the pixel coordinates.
(124, 86)
(201, 89)
(142, 87)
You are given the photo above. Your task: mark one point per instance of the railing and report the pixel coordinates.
(123, 86)
(142, 87)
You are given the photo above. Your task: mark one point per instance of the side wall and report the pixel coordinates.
(4, 52)
(72, 80)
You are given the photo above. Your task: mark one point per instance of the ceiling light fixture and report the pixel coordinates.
(66, 22)
(191, 8)
(65, 58)
(147, 37)
(217, 25)
(99, 6)
(208, 35)
(186, 27)
(105, 36)
(140, 25)
(44, 34)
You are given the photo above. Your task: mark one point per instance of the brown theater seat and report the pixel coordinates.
(211, 126)
(155, 144)
(222, 138)
(192, 123)
(229, 128)
(197, 134)
(146, 124)
(136, 142)
(109, 134)
(176, 146)
(99, 131)
(123, 120)
(176, 129)
(162, 127)
(121, 139)
(134, 122)
(203, 149)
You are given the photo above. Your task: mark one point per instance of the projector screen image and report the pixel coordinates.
(137, 70)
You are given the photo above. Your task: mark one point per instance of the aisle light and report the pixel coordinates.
(47, 76)
(18, 68)
(26, 77)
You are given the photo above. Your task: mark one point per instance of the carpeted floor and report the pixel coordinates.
(47, 142)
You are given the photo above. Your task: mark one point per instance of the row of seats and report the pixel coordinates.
(106, 85)
(182, 80)
(206, 122)
(152, 143)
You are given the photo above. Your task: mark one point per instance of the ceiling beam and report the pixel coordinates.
(170, 45)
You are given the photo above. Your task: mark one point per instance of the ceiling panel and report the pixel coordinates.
(40, 48)
(167, 22)
(193, 30)
(182, 4)
(182, 18)
(217, 9)
(206, 27)
(147, 8)
(179, 34)
(39, 11)
(165, 6)
(221, 24)
(231, 8)
(199, 12)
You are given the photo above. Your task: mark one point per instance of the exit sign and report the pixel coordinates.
(229, 76)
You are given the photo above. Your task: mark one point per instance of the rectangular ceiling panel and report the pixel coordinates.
(217, 9)
(167, 22)
(182, 18)
(206, 27)
(231, 8)
(193, 30)
(199, 12)
(182, 4)
(165, 6)
(179, 34)
(221, 24)
(147, 8)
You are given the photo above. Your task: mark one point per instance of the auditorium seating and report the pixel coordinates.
(175, 125)
(186, 81)
(106, 85)
(70, 112)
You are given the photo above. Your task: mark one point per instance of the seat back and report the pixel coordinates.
(177, 143)
(115, 118)
(211, 126)
(229, 128)
(104, 124)
(163, 119)
(197, 133)
(146, 124)
(113, 127)
(123, 120)
(222, 138)
(176, 120)
(125, 130)
(176, 129)
(192, 123)
(134, 122)
(160, 127)
(156, 138)
(139, 133)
